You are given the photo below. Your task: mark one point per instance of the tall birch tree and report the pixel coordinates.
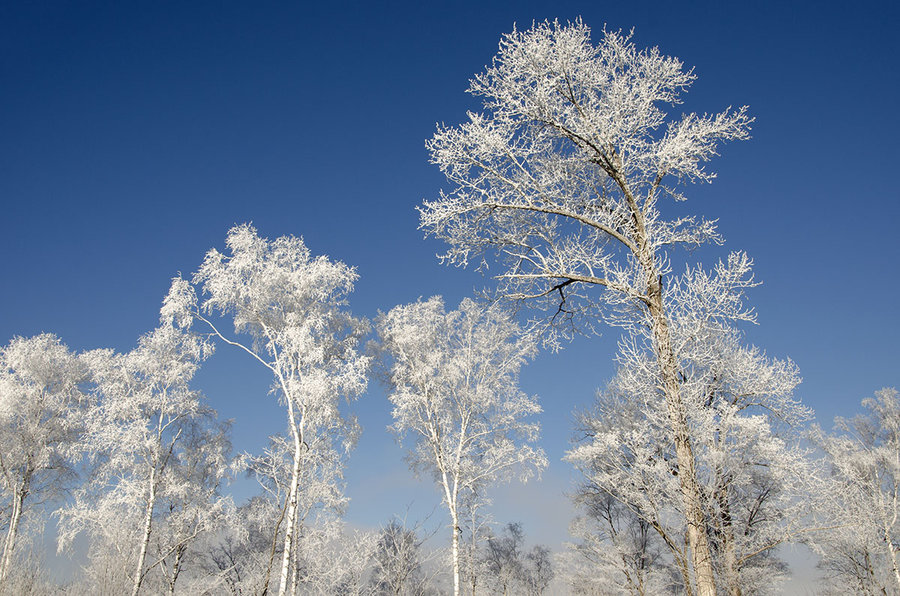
(140, 445)
(454, 387)
(561, 179)
(289, 314)
(400, 561)
(513, 570)
(42, 412)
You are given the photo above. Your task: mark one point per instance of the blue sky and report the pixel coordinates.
(133, 135)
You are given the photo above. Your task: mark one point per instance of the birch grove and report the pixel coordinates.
(692, 471)
(863, 504)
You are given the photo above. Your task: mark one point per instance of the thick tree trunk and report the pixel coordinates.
(451, 493)
(645, 253)
(729, 562)
(145, 541)
(10, 542)
(698, 540)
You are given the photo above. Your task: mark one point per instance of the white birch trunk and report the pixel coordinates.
(176, 569)
(451, 494)
(292, 503)
(295, 575)
(11, 533)
(148, 521)
(455, 550)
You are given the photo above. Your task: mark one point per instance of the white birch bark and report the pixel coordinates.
(138, 576)
(11, 533)
(288, 553)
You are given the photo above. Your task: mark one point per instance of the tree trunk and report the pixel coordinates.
(10, 543)
(473, 562)
(176, 568)
(455, 549)
(148, 520)
(292, 503)
(727, 536)
(893, 554)
(698, 541)
(295, 575)
(687, 473)
(452, 496)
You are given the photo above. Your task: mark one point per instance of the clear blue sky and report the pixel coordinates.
(134, 134)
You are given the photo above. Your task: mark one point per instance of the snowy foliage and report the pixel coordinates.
(560, 177)
(562, 187)
(559, 181)
(513, 570)
(400, 562)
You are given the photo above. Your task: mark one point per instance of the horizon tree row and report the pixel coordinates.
(137, 461)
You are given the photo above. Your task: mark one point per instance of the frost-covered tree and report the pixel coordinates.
(289, 314)
(753, 477)
(243, 556)
(474, 530)
(159, 457)
(561, 181)
(617, 550)
(193, 505)
(513, 570)
(860, 554)
(238, 558)
(399, 559)
(454, 387)
(42, 413)
(503, 558)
